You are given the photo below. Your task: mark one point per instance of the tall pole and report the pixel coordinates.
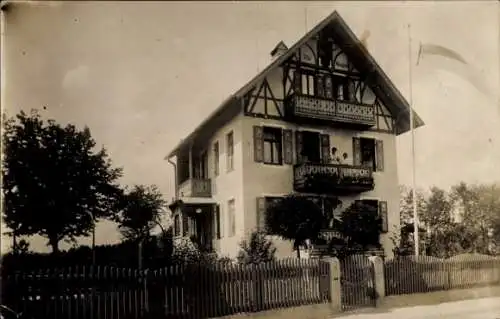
(412, 132)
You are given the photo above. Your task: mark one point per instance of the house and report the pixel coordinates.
(323, 107)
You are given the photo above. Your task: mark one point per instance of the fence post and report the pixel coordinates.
(335, 288)
(379, 278)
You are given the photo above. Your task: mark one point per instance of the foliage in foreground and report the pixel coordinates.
(55, 183)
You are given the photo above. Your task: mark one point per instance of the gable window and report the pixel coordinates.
(216, 158)
(368, 152)
(231, 217)
(230, 151)
(273, 143)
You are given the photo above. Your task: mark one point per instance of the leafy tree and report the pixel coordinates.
(295, 218)
(140, 212)
(54, 181)
(406, 204)
(258, 249)
(21, 247)
(360, 226)
(438, 209)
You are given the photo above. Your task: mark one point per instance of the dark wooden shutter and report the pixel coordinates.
(287, 146)
(299, 144)
(379, 150)
(325, 148)
(356, 151)
(217, 221)
(258, 143)
(320, 87)
(382, 212)
(261, 213)
(297, 82)
(185, 225)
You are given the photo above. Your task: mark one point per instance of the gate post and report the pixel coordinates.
(379, 278)
(335, 288)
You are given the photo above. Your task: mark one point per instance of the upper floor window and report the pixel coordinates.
(216, 158)
(368, 152)
(273, 143)
(325, 85)
(230, 151)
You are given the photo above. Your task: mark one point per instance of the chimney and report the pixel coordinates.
(278, 50)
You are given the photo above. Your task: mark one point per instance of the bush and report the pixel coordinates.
(258, 249)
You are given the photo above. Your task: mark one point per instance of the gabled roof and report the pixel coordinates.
(357, 54)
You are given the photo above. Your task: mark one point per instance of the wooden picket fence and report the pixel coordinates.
(410, 274)
(190, 291)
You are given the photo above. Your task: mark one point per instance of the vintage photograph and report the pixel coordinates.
(270, 159)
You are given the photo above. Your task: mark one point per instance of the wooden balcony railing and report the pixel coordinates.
(332, 178)
(196, 187)
(310, 107)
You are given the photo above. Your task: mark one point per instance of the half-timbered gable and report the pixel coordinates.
(319, 82)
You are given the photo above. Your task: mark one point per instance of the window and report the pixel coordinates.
(230, 151)
(272, 145)
(216, 158)
(311, 148)
(177, 225)
(368, 155)
(231, 218)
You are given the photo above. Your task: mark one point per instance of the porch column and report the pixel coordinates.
(190, 161)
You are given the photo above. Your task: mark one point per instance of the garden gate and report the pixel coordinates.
(357, 282)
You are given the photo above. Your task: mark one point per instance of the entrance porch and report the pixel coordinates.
(198, 220)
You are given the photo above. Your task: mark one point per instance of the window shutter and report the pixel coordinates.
(287, 146)
(320, 88)
(382, 212)
(325, 148)
(297, 82)
(258, 143)
(299, 143)
(185, 225)
(356, 151)
(261, 213)
(379, 149)
(217, 222)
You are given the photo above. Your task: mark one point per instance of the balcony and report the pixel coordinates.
(195, 187)
(304, 107)
(332, 178)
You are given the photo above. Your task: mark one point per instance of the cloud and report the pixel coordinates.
(76, 78)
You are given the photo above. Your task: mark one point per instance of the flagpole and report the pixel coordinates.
(412, 132)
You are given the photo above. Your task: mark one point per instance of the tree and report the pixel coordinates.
(140, 212)
(258, 249)
(295, 218)
(438, 210)
(406, 203)
(360, 226)
(54, 181)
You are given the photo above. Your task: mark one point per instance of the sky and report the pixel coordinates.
(144, 75)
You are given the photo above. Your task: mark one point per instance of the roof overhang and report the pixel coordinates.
(227, 110)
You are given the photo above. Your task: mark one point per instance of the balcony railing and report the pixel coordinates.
(332, 178)
(196, 187)
(310, 107)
